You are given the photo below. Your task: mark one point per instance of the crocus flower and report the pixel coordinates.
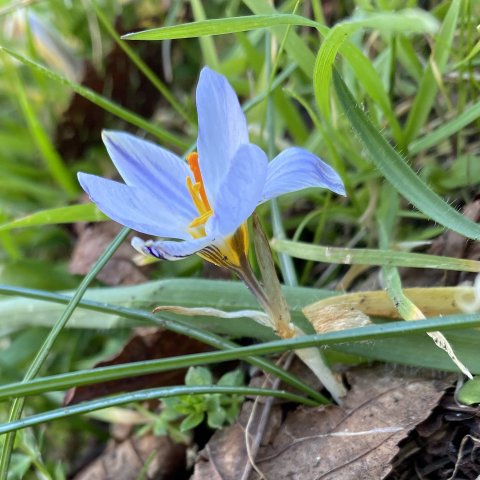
(201, 206)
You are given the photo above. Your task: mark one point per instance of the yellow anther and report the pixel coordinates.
(199, 197)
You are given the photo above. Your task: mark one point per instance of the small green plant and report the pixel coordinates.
(218, 409)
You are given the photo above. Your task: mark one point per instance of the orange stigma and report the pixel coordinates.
(199, 196)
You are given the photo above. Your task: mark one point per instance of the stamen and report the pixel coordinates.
(193, 189)
(201, 220)
(192, 160)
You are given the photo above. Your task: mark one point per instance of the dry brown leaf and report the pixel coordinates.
(129, 459)
(93, 239)
(147, 343)
(356, 441)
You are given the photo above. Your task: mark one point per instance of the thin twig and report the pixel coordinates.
(252, 448)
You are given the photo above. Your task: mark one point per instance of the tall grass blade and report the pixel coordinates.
(396, 170)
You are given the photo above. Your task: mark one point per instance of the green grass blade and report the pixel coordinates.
(40, 357)
(404, 21)
(54, 163)
(220, 26)
(87, 212)
(428, 85)
(446, 130)
(68, 380)
(190, 293)
(105, 103)
(397, 172)
(358, 256)
(370, 80)
(146, 395)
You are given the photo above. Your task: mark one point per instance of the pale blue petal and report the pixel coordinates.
(240, 191)
(168, 250)
(296, 168)
(222, 128)
(134, 208)
(152, 168)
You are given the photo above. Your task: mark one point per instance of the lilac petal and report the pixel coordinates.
(222, 128)
(240, 191)
(147, 166)
(296, 168)
(168, 250)
(134, 208)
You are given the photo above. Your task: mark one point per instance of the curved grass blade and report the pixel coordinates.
(103, 102)
(404, 21)
(53, 161)
(87, 212)
(396, 170)
(220, 26)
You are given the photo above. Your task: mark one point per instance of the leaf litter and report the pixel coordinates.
(360, 439)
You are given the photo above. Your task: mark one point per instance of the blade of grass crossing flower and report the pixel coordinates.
(141, 65)
(54, 163)
(87, 212)
(366, 256)
(102, 102)
(428, 86)
(206, 43)
(407, 20)
(220, 26)
(17, 405)
(397, 171)
(145, 395)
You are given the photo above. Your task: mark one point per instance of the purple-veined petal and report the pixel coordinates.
(169, 250)
(296, 168)
(240, 191)
(222, 128)
(135, 208)
(147, 166)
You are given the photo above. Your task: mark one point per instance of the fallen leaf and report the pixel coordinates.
(93, 239)
(355, 441)
(147, 457)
